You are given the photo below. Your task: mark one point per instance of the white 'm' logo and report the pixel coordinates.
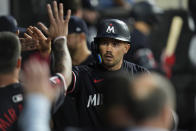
(110, 29)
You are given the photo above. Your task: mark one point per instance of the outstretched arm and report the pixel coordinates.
(39, 96)
(58, 31)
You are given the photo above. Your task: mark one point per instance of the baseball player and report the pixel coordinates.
(145, 19)
(77, 42)
(110, 45)
(11, 93)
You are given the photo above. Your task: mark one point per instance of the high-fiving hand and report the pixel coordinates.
(58, 25)
(35, 79)
(35, 40)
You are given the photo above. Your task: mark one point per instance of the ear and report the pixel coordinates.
(19, 63)
(82, 36)
(127, 47)
(167, 118)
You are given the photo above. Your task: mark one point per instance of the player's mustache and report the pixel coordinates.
(108, 54)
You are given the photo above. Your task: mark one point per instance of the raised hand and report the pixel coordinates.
(58, 29)
(35, 40)
(58, 25)
(28, 43)
(44, 44)
(35, 79)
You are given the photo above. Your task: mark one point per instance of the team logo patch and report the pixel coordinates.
(17, 98)
(78, 29)
(110, 29)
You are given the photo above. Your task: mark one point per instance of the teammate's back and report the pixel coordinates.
(11, 93)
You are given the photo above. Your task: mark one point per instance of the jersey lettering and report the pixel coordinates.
(95, 100)
(4, 124)
(8, 118)
(12, 113)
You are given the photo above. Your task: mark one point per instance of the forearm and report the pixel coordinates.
(63, 63)
(36, 114)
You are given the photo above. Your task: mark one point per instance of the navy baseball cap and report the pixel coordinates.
(9, 23)
(77, 25)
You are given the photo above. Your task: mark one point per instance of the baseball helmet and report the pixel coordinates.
(144, 11)
(110, 28)
(113, 28)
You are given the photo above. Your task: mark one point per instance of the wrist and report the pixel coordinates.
(45, 53)
(59, 37)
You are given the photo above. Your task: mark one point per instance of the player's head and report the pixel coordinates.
(116, 95)
(10, 51)
(144, 11)
(152, 98)
(9, 23)
(77, 33)
(112, 41)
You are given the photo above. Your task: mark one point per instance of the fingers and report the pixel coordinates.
(58, 26)
(68, 15)
(27, 36)
(30, 32)
(50, 14)
(56, 14)
(61, 12)
(43, 27)
(44, 43)
(48, 40)
(39, 34)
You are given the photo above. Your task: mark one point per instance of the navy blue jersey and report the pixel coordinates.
(11, 104)
(87, 89)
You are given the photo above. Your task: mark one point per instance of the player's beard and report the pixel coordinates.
(110, 62)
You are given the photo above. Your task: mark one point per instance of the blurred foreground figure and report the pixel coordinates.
(11, 93)
(39, 97)
(147, 105)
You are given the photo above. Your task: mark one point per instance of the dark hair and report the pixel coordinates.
(10, 51)
(159, 93)
(142, 109)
